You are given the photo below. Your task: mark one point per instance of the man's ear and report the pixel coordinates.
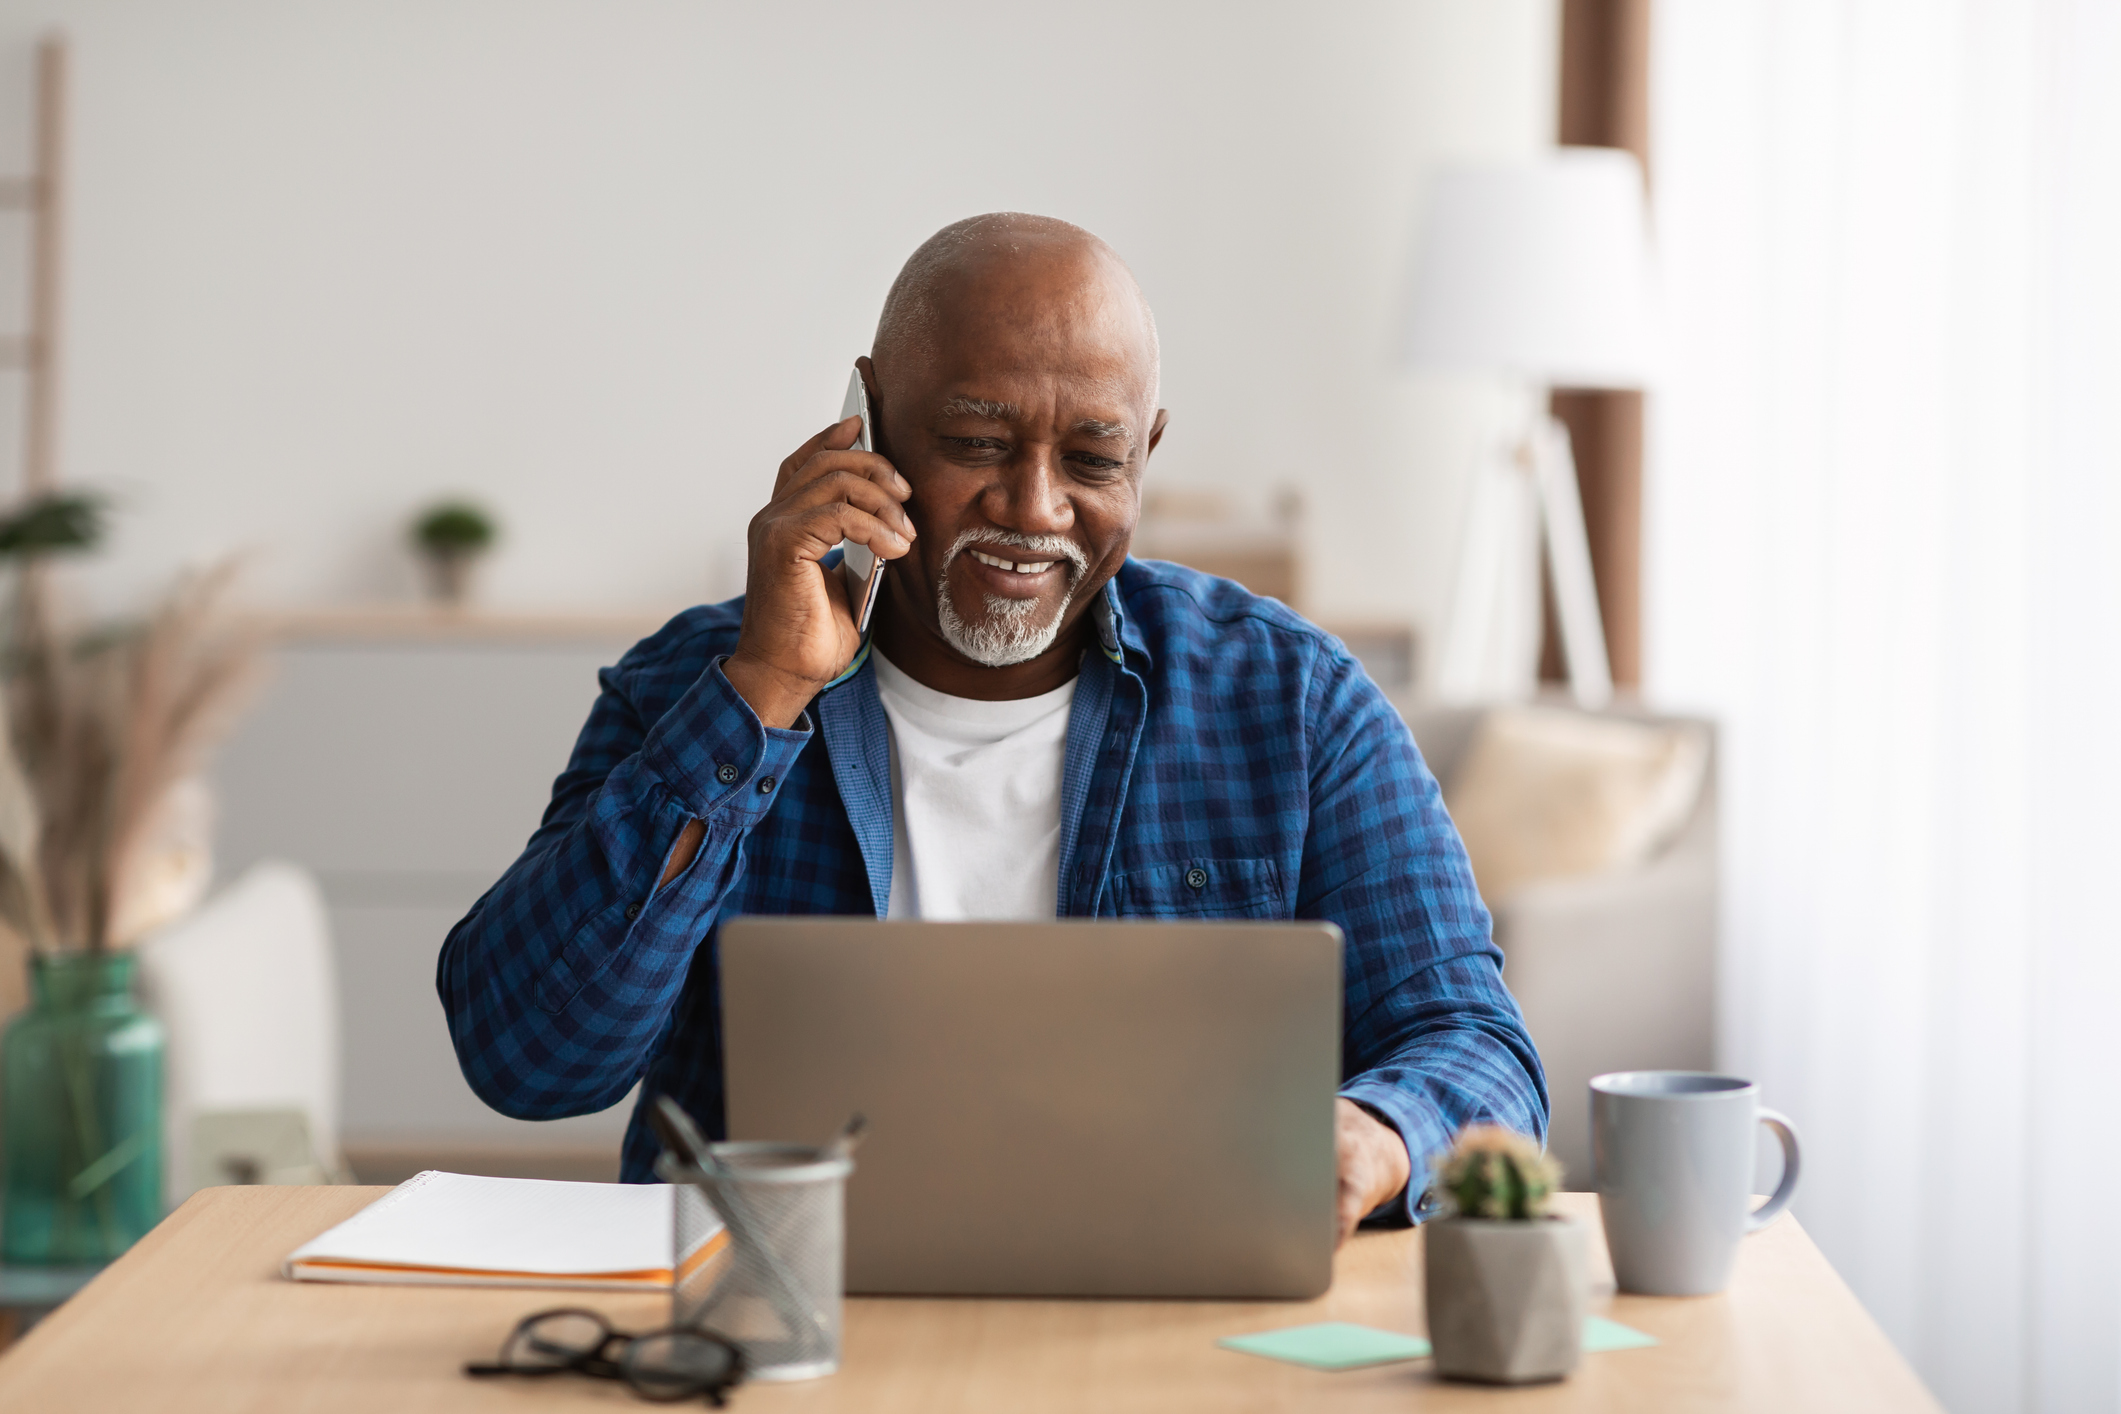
(1156, 430)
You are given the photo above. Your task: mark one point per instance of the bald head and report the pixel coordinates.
(1011, 267)
(1013, 384)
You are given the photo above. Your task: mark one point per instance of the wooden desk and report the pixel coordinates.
(196, 1318)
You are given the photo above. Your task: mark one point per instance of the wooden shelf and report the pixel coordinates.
(421, 623)
(1389, 647)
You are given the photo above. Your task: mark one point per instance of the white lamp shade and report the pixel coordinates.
(1540, 270)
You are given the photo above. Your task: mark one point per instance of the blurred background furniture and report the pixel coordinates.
(1257, 543)
(29, 1294)
(1538, 271)
(41, 195)
(1615, 968)
(1257, 540)
(248, 990)
(404, 756)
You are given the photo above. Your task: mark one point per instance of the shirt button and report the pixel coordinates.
(633, 911)
(726, 774)
(766, 786)
(1196, 878)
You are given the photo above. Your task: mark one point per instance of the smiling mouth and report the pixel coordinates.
(1013, 566)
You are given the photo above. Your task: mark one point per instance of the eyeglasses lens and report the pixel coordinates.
(674, 1364)
(557, 1338)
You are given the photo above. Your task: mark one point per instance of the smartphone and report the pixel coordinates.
(865, 572)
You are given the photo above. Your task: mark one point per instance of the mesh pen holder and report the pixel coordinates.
(773, 1283)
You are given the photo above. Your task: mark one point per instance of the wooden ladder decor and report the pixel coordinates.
(42, 196)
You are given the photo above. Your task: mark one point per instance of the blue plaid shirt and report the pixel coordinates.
(1215, 731)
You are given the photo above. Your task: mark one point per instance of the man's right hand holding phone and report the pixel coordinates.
(798, 632)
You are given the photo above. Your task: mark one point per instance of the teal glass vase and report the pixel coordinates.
(81, 1101)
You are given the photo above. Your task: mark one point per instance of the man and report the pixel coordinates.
(1038, 725)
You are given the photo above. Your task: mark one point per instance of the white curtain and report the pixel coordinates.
(1884, 538)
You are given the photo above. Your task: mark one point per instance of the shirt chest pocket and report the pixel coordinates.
(1201, 888)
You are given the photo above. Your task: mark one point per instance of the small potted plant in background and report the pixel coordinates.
(1507, 1282)
(449, 537)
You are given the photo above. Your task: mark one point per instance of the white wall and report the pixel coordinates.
(604, 264)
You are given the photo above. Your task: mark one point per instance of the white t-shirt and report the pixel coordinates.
(975, 800)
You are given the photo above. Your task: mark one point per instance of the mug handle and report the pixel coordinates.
(1791, 1166)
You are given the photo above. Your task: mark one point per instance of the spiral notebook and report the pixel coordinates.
(453, 1229)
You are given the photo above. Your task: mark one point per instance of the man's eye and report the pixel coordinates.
(1099, 465)
(972, 444)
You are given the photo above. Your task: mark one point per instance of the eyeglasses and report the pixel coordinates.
(666, 1365)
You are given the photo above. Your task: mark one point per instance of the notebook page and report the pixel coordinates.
(457, 1221)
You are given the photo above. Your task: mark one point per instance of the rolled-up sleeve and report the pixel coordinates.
(559, 982)
(1431, 1038)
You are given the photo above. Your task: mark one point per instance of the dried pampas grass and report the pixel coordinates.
(102, 739)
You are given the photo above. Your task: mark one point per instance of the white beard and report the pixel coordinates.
(1007, 634)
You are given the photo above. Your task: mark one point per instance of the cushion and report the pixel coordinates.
(1551, 793)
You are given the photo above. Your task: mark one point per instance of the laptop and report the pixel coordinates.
(1072, 1108)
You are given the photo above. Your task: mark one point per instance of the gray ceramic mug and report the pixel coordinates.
(1673, 1151)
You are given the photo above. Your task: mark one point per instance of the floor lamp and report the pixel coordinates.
(1539, 272)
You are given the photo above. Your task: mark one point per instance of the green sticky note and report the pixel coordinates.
(1330, 1345)
(1602, 1334)
(1342, 1345)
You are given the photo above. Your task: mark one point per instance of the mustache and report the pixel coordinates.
(1051, 547)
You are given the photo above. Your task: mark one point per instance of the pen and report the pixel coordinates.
(685, 1142)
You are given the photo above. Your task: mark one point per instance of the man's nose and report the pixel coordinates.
(1030, 496)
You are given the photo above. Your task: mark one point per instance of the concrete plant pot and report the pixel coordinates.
(1506, 1299)
(449, 575)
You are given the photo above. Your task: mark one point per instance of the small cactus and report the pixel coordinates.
(1494, 1173)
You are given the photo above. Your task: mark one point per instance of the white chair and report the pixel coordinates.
(248, 990)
